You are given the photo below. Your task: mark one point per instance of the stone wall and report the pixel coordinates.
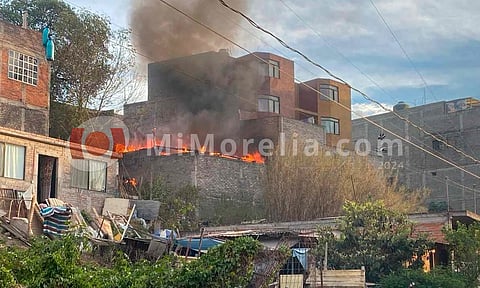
(231, 190)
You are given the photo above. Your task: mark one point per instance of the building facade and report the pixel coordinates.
(214, 92)
(327, 103)
(29, 159)
(456, 122)
(24, 80)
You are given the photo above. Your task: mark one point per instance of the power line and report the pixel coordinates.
(254, 24)
(402, 48)
(404, 51)
(335, 49)
(309, 87)
(306, 85)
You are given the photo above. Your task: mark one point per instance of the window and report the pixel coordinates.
(329, 91)
(12, 161)
(89, 174)
(268, 104)
(22, 68)
(273, 69)
(331, 125)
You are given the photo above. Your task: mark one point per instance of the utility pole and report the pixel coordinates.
(474, 199)
(448, 197)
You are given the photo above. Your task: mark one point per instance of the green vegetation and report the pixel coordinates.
(440, 278)
(373, 236)
(465, 245)
(59, 264)
(178, 204)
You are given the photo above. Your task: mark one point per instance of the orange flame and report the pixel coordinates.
(131, 181)
(136, 145)
(255, 157)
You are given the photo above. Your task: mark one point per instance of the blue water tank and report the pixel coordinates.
(45, 33)
(50, 50)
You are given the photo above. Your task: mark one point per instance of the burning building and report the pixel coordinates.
(235, 100)
(194, 93)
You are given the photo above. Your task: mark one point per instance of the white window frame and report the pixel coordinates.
(22, 68)
(86, 177)
(8, 167)
(273, 69)
(329, 91)
(268, 103)
(330, 125)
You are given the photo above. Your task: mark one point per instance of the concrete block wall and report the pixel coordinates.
(420, 169)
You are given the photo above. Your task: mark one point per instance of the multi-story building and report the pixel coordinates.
(215, 92)
(250, 97)
(328, 103)
(29, 159)
(456, 122)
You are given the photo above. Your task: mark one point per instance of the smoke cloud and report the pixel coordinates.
(162, 33)
(209, 90)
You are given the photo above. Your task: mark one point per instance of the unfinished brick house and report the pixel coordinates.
(29, 159)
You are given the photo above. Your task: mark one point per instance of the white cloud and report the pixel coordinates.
(368, 109)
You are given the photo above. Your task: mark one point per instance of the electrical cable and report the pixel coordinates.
(254, 24)
(309, 87)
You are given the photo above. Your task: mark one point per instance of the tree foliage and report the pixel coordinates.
(59, 264)
(439, 278)
(465, 245)
(301, 187)
(373, 236)
(93, 67)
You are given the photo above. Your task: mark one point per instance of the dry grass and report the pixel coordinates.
(308, 187)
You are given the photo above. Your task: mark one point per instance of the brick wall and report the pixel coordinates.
(19, 98)
(41, 145)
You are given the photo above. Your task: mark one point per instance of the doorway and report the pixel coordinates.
(47, 177)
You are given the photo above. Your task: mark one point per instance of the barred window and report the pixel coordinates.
(22, 68)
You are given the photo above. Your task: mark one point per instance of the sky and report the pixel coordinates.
(436, 55)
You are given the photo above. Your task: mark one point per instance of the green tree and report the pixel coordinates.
(373, 236)
(178, 204)
(465, 245)
(93, 64)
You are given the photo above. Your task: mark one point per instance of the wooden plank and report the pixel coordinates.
(117, 206)
(128, 223)
(15, 232)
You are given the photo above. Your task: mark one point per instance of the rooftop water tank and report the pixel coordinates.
(400, 106)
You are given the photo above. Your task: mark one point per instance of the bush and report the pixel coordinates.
(59, 263)
(438, 278)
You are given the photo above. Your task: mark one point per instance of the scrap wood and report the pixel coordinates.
(104, 224)
(54, 202)
(14, 231)
(31, 212)
(128, 222)
(117, 235)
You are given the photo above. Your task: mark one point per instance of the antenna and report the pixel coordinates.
(424, 95)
